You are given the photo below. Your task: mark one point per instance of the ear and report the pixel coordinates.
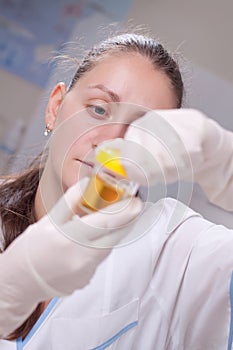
(54, 103)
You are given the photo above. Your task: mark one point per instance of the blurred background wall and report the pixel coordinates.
(202, 32)
(29, 30)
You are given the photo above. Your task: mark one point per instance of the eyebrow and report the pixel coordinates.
(113, 96)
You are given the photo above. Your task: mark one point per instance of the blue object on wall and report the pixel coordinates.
(30, 30)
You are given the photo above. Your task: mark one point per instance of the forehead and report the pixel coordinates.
(134, 79)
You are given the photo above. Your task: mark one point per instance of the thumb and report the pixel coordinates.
(139, 161)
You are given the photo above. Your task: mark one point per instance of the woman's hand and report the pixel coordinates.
(180, 144)
(58, 254)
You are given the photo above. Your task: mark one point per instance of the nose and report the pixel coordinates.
(108, 132)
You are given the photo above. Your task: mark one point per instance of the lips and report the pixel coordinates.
(89, 164)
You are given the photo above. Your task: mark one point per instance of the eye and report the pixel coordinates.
(98, 112)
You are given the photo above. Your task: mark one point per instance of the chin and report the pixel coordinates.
(68, 181)
(74, 173)
(71, 180)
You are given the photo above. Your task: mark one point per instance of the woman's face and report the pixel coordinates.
(100, 106)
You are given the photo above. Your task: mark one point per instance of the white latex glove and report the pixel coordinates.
(46, 260)
(180, 144)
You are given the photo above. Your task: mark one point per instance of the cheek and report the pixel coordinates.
(67, 146)
(67, 133)
(64, 161)
(69, 107)
(64, 149)
(80, 148)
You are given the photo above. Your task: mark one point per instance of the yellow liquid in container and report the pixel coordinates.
(108, 184)
(100, 194)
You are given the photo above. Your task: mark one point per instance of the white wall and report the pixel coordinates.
(18, 99)
(201, 31)
(201, 28)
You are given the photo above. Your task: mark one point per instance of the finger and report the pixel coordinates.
(142, 166)
(91, 227)
(158, 136)
(113, 238)
(117, 143)
(130, 232)
(115, 215)
(138, 161)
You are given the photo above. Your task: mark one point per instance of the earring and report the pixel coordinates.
(47, 130)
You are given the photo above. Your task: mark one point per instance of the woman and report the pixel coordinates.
(169, 288)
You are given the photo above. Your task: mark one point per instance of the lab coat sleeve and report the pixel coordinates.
(21, 289)
(210, 148)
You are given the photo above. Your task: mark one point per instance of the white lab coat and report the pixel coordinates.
(171, 289)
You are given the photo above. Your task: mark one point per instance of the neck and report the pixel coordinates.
(47, 194)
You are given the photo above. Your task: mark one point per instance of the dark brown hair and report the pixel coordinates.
(17, 194)
(145, 46)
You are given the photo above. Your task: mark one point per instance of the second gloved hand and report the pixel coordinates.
(180, 144)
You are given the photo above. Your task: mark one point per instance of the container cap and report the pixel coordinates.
(110, 159)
